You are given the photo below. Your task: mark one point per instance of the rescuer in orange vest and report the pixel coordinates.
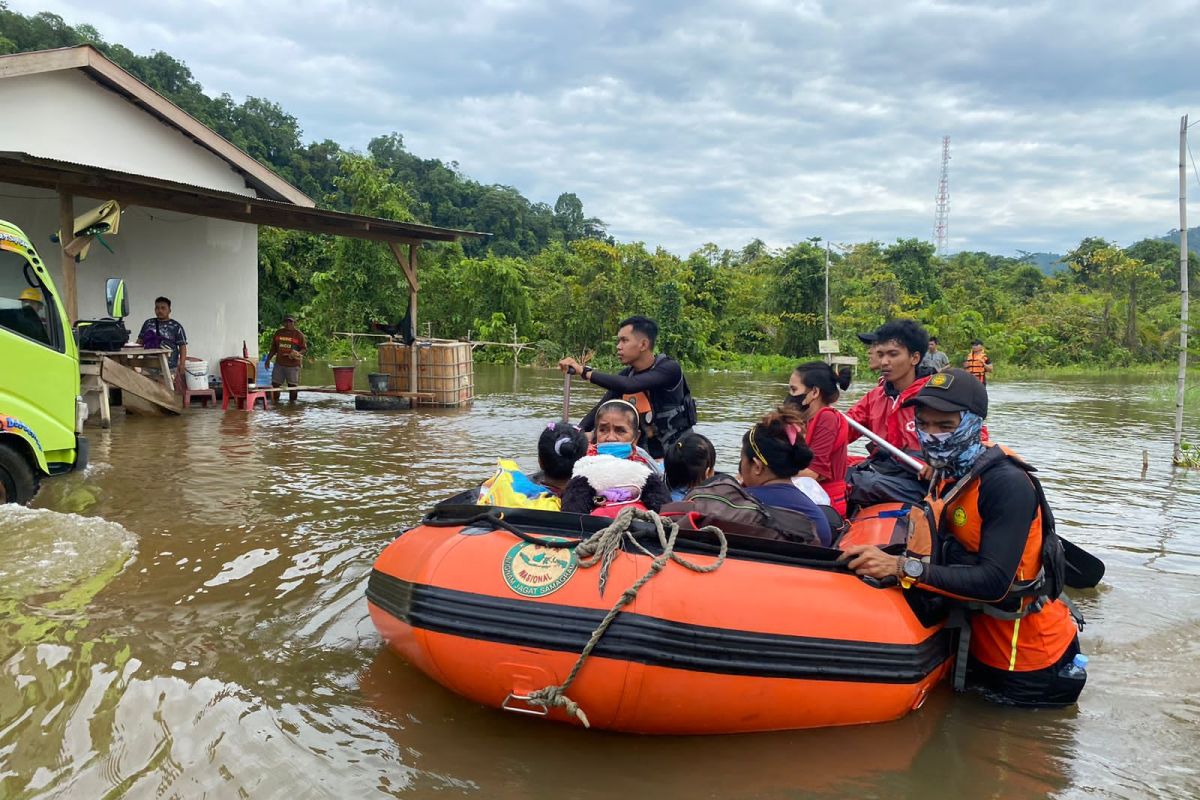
(991, 546)
(977, 362)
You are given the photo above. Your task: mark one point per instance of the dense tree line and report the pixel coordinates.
(555, 274)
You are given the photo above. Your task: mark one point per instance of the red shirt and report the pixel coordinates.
(827, 437)
(887, 416)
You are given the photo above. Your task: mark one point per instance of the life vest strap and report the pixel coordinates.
(960, 622)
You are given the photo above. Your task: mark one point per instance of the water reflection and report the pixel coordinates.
(202, 629)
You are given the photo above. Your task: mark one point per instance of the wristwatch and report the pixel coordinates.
(911, 571)
(585, 372)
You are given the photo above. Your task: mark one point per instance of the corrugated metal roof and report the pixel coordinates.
(141, 190)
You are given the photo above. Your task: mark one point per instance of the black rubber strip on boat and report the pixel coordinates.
(652, 641)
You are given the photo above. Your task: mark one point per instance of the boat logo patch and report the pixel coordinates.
(534, 570)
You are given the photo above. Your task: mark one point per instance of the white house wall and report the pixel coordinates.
(208, 267)
(67, 116)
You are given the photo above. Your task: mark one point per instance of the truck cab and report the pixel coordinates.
(41, 412)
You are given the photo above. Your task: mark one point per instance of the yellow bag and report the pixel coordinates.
(511, 488)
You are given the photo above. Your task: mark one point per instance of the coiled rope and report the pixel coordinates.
(601, 548)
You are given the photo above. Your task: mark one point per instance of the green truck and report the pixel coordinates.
(41, 412)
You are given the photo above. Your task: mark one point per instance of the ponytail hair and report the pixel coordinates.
(687, 462)
(777, 442)
(559, 447)
(821, 376)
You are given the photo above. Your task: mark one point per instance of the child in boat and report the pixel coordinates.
(559, 447)
(689, 462)
(615, 473)
(773, 452)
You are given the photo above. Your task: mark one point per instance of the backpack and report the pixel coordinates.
(723, 500)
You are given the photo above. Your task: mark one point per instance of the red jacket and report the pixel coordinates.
(887, 417)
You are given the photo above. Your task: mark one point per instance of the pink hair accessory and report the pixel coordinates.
(792, 433)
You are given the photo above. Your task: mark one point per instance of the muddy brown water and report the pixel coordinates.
(187, 619)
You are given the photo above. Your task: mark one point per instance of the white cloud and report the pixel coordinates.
(681, 123)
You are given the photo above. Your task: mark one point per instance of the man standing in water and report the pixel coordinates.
(288, 347)
(999, 553)
(977, 362)
(654, 384)
(162, 331)
(935, 360)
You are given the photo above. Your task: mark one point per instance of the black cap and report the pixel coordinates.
(976, 342)
(953, 390)
(868, 338)
(286, 317)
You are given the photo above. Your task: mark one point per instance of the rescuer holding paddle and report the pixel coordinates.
(654, 384)
(992, 547)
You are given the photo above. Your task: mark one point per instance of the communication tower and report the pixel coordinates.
(942, 219)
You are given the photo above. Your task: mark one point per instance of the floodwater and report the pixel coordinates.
(187, 619)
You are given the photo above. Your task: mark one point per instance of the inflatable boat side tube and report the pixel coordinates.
(654, 642)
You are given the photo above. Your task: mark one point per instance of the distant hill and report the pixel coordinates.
(1048, 263)
(1193, 238)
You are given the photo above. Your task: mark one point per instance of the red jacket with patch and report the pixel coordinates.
(887, 417)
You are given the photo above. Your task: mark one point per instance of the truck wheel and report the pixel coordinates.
(17, 484)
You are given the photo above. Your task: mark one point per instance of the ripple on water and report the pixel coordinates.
(261, 673)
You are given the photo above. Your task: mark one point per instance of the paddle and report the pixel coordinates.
(901, 456)
(567, 394)
(1084, 570)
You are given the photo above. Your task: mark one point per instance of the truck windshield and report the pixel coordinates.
(23, 308)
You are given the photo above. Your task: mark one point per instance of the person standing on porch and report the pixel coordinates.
(162, 331)
(288, 347)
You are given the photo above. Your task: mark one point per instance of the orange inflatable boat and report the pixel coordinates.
(493, 604)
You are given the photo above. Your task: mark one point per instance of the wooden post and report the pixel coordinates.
(412, 313)
(66, 232)
(1183, 291)
(409, 265)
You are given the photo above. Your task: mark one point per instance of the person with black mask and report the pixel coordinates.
(813, 389)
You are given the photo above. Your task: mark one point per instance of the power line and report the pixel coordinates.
(1193, 158)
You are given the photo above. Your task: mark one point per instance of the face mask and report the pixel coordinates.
(796, 400)
(617, 449)
(956, 451)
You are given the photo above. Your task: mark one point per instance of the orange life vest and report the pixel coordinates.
(1038, 629)
(976, 364)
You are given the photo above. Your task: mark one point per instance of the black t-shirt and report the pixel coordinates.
(1007, 506)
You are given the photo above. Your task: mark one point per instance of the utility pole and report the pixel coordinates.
(827, 336)
(1183, 291)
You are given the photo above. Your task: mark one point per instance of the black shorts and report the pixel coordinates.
(1052, 687)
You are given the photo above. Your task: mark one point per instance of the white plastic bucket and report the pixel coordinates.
(196, 374)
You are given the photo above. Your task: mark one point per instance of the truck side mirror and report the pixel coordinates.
(116, 299)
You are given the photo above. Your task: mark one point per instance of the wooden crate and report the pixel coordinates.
(445, 369)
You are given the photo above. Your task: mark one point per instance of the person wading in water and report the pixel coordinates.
(989, 543)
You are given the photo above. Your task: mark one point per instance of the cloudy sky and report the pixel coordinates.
(684, 123)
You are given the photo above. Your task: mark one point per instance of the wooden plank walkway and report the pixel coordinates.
(332, 390)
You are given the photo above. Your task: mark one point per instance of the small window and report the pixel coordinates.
(25, 309)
